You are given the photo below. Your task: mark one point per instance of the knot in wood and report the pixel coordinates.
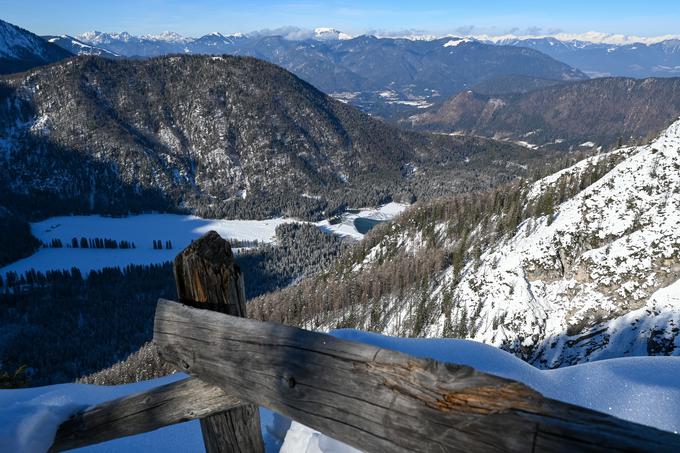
(289, 381)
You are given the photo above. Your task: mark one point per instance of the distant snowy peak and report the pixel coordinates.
(99, 38)
(455, 42)
(167, 36)
(330, 34)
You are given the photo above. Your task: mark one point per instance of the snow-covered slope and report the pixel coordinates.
(21, 50)
(591, 273)
(599, 279)
(78, 47)
(643, 390)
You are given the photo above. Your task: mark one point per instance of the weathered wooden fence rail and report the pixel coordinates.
(374, 399)
(178, 402)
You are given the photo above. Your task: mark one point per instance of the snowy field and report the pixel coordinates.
(140, 229)
(640, 389)
(144, 229)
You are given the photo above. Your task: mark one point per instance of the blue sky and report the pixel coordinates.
(193, 18)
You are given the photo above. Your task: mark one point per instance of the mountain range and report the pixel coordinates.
(382, 76)
(660, 59)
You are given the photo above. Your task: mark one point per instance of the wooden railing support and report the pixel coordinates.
(177, 402)
(208, 277)
(380, 400)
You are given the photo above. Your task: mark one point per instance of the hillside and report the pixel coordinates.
(21, 50)
(219, 136)
(602, 112)
(582, 265)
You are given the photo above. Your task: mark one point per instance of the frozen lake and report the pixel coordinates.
(144, 229)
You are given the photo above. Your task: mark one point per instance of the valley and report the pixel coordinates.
(501, 203)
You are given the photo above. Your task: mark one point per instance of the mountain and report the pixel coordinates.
(579, 266)
(329, 34)
(128, 45)
(218, 136)
(639, 60)
(382, 76)
(21, 50)
(592, 113)
(77, 47)
(213, 44)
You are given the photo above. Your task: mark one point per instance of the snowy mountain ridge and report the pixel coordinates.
(21, 50)
(611, 251)
(596, 277)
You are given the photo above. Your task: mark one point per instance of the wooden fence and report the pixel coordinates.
(373, 399)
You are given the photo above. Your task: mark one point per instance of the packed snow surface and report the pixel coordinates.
(640, 389)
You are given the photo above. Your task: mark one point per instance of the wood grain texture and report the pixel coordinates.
(208, 277)
(180, 401)
(379, 400)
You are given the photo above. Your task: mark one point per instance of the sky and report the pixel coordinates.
(468, 17)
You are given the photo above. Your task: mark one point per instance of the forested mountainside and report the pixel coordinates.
(219, 136)
(21, 50)
(598, 112)
(509, 84)
(581, 265)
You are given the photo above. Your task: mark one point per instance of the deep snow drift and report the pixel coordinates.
(642, 389)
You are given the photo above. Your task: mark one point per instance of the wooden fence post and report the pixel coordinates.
(208, 277)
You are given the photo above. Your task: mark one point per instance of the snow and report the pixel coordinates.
(14, 41)
(599, 280)
(330, 34)
(643, 390)
(457, 42)
(29, 419)
(140, 229)
(610, 253)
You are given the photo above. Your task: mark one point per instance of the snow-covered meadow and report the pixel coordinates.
(142, 230)
(640, 389)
